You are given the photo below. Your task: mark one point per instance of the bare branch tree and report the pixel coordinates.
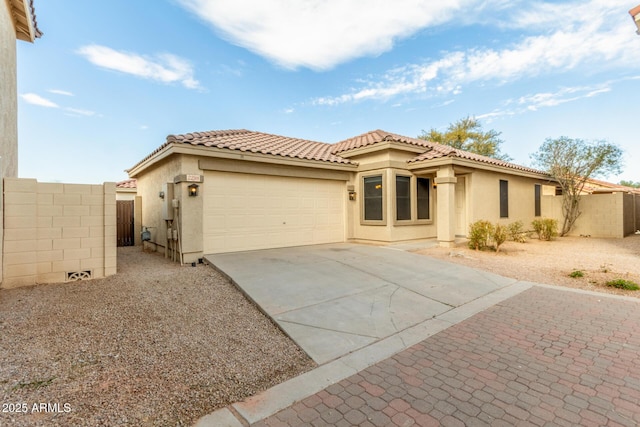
(572, 162)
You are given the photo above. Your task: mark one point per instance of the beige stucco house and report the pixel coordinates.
(17, 22)
(234, 190)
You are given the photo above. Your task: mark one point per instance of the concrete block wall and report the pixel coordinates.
(57, 232)
(602, 214)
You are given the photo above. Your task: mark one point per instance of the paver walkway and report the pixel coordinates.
(543, 357)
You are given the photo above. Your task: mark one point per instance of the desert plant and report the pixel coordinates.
(499, 235)
(545, 228)
(576, 274)
(623, 284)
(480, 233)
(516, 232)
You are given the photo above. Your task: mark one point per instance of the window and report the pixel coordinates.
(373, 198)
(538, 190)
(504, 199)
(423, 188)
(403, 197)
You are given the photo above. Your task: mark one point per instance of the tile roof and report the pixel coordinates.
(597, 186)
(36, 30)
(263, 143)
(432, 150)
(374, 137)
(127, 183)
(258, 142)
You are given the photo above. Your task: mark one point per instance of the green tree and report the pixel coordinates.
(467, 134)
(634, 184)
(572, 162)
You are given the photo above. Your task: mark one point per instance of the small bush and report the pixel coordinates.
(623, 284)
(499, 235)
(480, 233)
(545, 228)
(516, 232)
(576, 273)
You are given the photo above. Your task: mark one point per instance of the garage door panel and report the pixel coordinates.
(245, 212)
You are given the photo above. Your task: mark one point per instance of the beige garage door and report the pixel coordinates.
(245, 212)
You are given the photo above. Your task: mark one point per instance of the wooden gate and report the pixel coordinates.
(124, 213)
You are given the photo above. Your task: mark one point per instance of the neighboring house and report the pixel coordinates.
(635, 14)
(234, 190)
(17, 22)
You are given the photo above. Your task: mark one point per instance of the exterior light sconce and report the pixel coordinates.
(193, 190)
(351, 189)
(161, 194)
(435, 185)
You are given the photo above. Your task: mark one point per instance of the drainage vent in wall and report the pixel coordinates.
(72, 276)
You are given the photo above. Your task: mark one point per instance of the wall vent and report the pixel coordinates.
(73, 276)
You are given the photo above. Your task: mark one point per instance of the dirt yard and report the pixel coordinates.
(156, 344)
(600, 260)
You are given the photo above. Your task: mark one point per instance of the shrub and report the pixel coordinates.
(623, 284)
(545, 228)
(480, 232)
(576, 273)
(516, 232)
(499, 235)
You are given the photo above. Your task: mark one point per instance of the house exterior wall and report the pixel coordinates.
(149, 186)
(191, 220)
(602, 214)
(388, 164)
(484, 198)
(8, 95)
(53, 229)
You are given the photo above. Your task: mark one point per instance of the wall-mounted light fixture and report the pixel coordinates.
(193, 190)
(161, 194)
(435, 185)
(351, 190)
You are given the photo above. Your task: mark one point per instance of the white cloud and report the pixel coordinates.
(60, 92)
(165, 68)
(572, 35)
(80, 112)
(536, 101)
(320, 34)
(36, 99)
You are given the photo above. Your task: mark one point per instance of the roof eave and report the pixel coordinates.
(24, 20)
(381, 146)
(225, 153)
(473, 164)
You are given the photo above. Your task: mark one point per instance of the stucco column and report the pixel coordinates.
(446, 199)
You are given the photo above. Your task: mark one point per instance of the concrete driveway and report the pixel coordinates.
(334, 299)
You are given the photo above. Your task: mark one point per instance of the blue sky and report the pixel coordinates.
(110, 80)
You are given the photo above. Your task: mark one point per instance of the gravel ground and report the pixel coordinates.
(156, 344)
(551, 262)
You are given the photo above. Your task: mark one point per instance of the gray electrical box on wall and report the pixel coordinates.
(167, 208)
